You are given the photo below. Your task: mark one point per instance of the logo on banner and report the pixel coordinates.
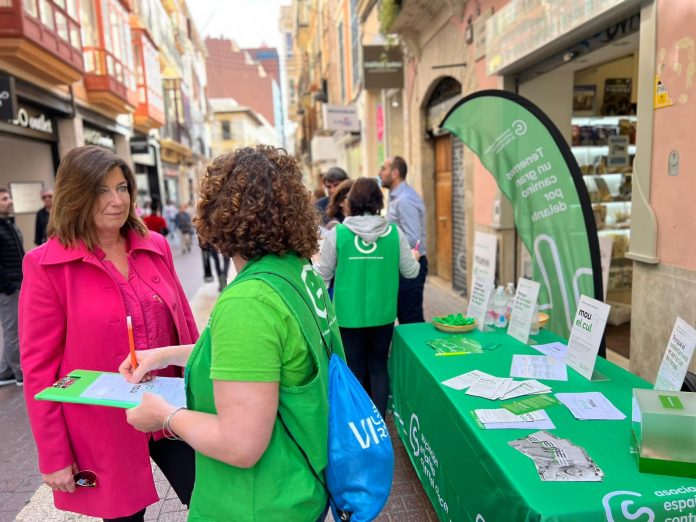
(314, 290)
(626, 505)
(519, 127)
(413, 434)
(363, 247)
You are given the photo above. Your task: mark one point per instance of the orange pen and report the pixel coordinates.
(131, 342)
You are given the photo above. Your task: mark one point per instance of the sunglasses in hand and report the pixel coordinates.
(85, 479)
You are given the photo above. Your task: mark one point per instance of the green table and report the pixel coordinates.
(473, 474)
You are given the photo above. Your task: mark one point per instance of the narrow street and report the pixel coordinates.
(22, 497)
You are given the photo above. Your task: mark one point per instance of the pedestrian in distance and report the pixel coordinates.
(99, 266)
(331, 180)
(183, 223)
(259, 371)
(406, 209)
(42, 217)
(11, 255)
(364, 256)
(155, 222)
(169, 213)
(336, 211)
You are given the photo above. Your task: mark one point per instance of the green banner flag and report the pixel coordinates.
(537, 172)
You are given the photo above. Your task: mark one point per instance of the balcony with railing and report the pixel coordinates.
(175, 139)
(42, 36)
(108, 55)
(149, 113)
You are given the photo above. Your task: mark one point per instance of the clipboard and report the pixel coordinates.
(92, 387)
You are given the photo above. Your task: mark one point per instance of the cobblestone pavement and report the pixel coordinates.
(22, 497)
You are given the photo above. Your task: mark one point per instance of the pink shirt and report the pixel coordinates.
(153, 325)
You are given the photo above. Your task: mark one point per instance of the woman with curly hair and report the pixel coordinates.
(257, 379)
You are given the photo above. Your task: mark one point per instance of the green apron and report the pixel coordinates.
(281, 485)
(366, 284)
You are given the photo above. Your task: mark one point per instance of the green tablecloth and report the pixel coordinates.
(473, 474)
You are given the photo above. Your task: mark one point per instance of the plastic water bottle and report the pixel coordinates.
(490, 313)
(510, 294)
(499, 307)
(535, 321)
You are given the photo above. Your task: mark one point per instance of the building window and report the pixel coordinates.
(342, 62)
(354, 42)
(30, 7)
(288, 44)
(226, 130)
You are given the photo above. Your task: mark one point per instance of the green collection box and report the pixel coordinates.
(664, 432)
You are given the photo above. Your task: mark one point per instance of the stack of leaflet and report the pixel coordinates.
(502, 419)
(558, 460)
(484, 385)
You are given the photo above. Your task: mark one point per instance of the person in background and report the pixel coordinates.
(406, 209)
(155, 221)
(11, 255)
(336, 209)
(99, 265)
(169, 213)
(317, 194)
(332, 179)
(257, 387)
(182, 222)
(365, 256)
(42, 216)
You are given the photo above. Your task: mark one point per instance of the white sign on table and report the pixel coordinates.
(479, 299)
(677, 358)
(523, 309)
(586, 335)
(485, 252)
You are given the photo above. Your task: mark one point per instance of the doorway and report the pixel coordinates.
(443, 206)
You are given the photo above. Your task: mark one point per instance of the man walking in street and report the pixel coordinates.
(42, 217)
(332, 179)
(11, 255)
(406, 209)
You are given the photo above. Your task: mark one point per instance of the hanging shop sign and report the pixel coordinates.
(537, 172)
(383, 67)
(8, 98)
(522, 27)
(103, 139)
(340, 118)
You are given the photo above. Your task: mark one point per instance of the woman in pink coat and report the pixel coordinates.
(99, 265)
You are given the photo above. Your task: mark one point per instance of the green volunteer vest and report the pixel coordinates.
(366, 283)
(281, 486)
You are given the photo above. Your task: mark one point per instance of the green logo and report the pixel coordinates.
(671, 402)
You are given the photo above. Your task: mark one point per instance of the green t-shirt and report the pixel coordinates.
(278, 352)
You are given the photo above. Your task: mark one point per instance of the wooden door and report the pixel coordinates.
(443, 206)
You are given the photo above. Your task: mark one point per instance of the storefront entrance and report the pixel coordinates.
(443, 205)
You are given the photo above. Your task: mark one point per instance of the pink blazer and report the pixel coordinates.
(72, 316)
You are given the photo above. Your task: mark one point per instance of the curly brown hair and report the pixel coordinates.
(335, 208)
(252, 203)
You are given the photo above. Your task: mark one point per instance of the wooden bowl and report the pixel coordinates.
(454, 329)
(543, 319)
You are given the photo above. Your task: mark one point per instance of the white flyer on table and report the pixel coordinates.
(463, 381)
(528, 387)
(543, 423)
(503, 415)
(586, 335)
(523, 309)
(113, 386)
(557, 350)
(490, 387)
(677, 358)
(479, 299)
(538, 367)
(590, 406)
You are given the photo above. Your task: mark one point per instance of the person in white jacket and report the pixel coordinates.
(363, 257)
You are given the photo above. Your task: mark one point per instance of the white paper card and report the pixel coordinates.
(538, 367)
(503, 415)
(463, 381)
(677, 358)
(113, 386)
(528, 387)
(557, 350)
(544, 423)
(489, 387)
(523, 309)
(485, 250)
(481, 289)
(586, 335)
(590, 406)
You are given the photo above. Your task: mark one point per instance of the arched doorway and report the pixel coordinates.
(444, 94)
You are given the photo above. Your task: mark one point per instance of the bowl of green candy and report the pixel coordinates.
(454, 323)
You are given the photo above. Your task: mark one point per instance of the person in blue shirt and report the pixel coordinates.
(407, 210)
